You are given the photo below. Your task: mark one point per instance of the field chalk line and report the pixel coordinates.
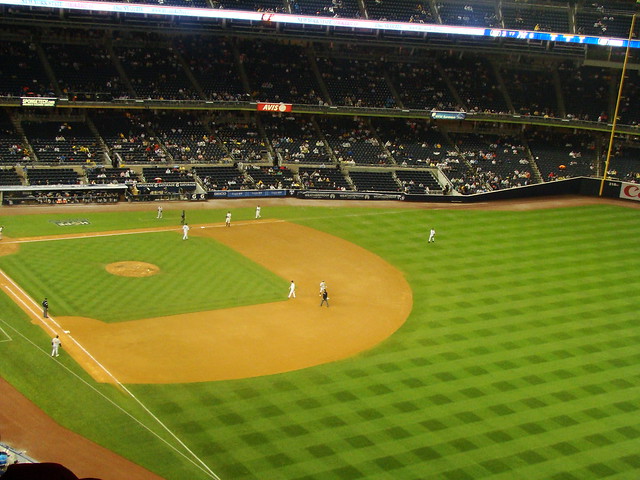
(45, 321)
(35, 312)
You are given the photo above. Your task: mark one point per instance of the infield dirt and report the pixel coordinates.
(34, 431)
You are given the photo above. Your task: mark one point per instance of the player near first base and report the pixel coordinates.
(227, 220)
(185, 232)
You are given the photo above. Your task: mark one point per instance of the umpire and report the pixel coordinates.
(325, 298)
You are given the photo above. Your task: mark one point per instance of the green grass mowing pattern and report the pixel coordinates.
(196, 275)
(519, 360)
(67, 393)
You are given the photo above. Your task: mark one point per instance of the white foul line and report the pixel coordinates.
(29, 307)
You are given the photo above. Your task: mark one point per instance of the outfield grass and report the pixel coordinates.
(520, 360)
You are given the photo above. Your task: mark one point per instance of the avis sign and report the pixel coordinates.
(630, 191)
(274, 107)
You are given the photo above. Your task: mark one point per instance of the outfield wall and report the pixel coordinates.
(572, 186)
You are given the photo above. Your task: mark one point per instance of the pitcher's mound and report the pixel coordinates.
(132, 269)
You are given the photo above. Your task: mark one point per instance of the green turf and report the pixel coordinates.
(520, 360)
(195, 275)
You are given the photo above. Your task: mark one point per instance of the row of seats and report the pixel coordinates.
(212, 68)
(591, 18)
(180, 138)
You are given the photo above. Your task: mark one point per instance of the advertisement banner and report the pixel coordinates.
(448, 115)
(349, 195)
(274, 107)
(630, 191)
(246, 193)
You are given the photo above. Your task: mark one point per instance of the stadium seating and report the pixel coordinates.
(52, 176)
(128, 138)
(271, 177)
(21, 70)
(212, 63)
(468, 14)
(561, 155)
(475, 82)
(369, 181)
(9, 176)
(355, 82)
(102, 175)
(354, 142)
(62, 142)
(180, 68)
(535, 17)
(156, 72)
(186, 139)
(242, 140)
(586, 91)
(624, 164)
(408, 78)
(418, 182)
(222, 178)
(85, 71)
(411, 142)
(279, 73)
(327, 8)
(506, 158)
(296, 139)
(12, 150)
(418, 11)
(323, 179)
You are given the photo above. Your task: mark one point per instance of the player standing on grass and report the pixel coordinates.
(159, 211)
(227, 220)
(185, 232)
(55, 345)
(432, 236)
(258, 211)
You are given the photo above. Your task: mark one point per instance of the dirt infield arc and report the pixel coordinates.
(370, 299)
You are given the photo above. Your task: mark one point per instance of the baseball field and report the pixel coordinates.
(509, 348)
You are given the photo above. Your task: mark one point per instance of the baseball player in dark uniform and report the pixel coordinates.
(325, 298)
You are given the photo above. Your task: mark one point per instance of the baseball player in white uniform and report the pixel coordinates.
(292, 290)
(432, 236)
(323, 287)
(227, 220)
(258, 211)
(185, 232)
(159, 212)
(55, 345)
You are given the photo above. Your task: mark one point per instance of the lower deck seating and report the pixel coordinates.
(271, 177)
(9, 176)
(374, 181)
(418, 181)
(323, 179)
(222, 178)
(52, 176)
